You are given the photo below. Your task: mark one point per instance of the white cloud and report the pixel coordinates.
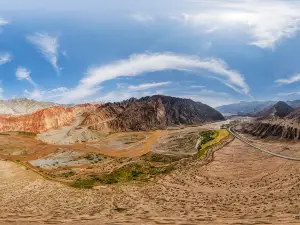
(266, 21)
(48, 46)
(209, 97)
(5, 58)
(3, 22)
(139, 64)
(142, 18)
(197, 86)
(290, 80)
(46, 95)
(147, 86)
(24, 74)
(288, 93)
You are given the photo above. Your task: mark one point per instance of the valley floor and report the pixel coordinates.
(240, 186)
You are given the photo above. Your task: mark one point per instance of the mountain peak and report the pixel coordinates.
(280, 109)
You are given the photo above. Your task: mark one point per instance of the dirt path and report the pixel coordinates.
(240, 186)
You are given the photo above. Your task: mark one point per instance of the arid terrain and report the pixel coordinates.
(238, 185)
(187, 172)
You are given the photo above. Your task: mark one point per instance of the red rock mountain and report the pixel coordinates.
(156, 112)
(44, 119)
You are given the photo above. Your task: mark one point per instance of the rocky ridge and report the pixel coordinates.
(148, 113)
(277, 122)
(23, 106)
(44, 119)
(154, 112)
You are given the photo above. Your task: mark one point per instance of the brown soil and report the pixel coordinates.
(240, 186)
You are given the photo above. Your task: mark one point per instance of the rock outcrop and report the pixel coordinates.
(155, 112)
(44, 119)
(278, 122)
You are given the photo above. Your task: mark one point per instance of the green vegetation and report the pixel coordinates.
(134, 171)
(32, 134)
(154, 157)
(209, 139)
(68, 174)
(87, 183)
(207, 136)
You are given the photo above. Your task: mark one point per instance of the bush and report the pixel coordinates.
(27, 133)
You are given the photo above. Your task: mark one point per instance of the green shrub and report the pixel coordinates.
(27, 133)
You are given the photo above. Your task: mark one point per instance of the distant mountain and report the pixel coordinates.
(244, 108)
(295, 104)
(22, 106)
(251, 108)
(280, 109)
(280, 121)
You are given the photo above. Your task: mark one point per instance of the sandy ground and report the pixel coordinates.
(69, 134)
(240, 186)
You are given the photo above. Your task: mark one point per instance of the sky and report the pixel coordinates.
(216, 52)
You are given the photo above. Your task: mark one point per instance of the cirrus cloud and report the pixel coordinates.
(139, 64)
(48, 46)
(290, 80)
(147, 86)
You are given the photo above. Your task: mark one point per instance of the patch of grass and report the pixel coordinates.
(32, 134)
(68, 174)
(134, 172)
(154, 157)
(209, 139)
(85, 183)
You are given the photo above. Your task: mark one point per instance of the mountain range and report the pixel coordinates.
(148, 113)
(251, 108)
(22, 106)
(279, 121)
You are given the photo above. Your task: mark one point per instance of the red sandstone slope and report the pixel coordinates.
(44, 119)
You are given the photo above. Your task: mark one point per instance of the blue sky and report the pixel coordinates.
(216, 52)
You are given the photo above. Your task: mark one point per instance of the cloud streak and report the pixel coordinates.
(48, 47)
(139, 64)
(290, 80)
(146, 86)
(142, 18)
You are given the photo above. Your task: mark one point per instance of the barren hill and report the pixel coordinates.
(280, 109)
(23, 106)
(148, 113)
(155, 112)
(280, 121)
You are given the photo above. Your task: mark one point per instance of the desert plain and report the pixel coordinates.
(234, 184)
